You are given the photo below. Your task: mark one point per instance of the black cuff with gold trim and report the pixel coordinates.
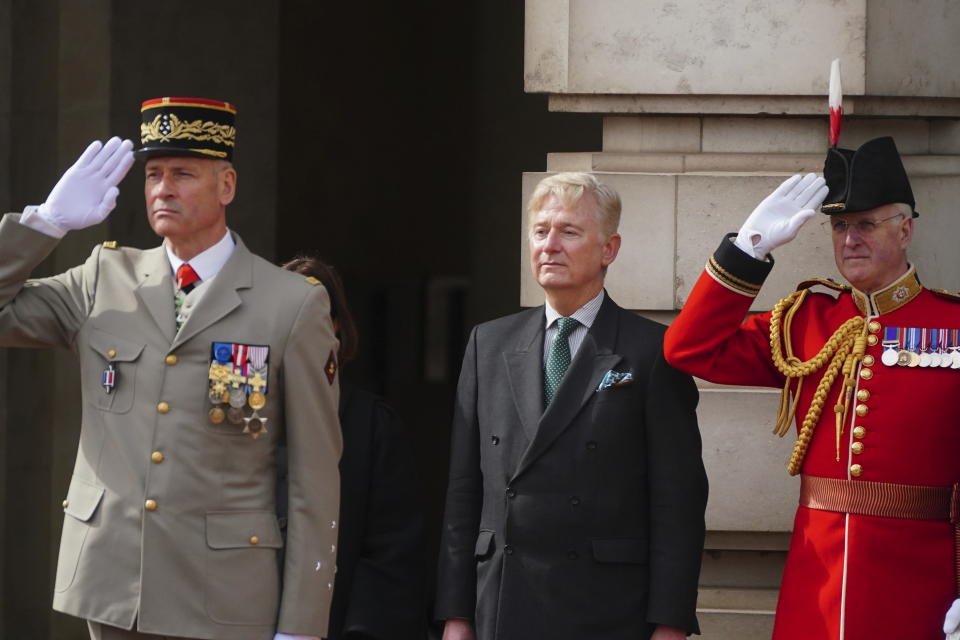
(736, 270)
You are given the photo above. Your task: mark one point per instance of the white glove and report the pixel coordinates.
(779, 217)
(287, 636)
(951, 623)
(87, 191)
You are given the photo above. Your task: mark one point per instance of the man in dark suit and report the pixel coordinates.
(577, 492)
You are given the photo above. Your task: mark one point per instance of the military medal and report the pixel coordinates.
(955, 348)
(924, 346)
(216, 415)
(235, 415)
(934, 347)
(945, 358)
(255, 425)
(891, 344)
(257, 400)
(109, 378)
(237, 398)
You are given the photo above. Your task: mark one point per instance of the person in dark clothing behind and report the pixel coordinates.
(378, 593)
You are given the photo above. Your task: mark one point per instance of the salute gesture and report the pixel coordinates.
(87, 191)
(779, 217)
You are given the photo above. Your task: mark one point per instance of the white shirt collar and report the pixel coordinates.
(585, 315)
(208, 262)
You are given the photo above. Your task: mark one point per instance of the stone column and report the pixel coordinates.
(707, 107)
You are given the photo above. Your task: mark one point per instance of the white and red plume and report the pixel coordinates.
(835, 102)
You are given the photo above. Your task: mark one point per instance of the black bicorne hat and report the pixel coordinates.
(187, 127)
(865, 179)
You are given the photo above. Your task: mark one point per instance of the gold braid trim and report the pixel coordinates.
(844, 350)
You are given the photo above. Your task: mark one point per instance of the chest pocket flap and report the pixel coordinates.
(239, 529)
(114, 348)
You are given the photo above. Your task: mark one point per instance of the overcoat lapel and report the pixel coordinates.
(594, 358)
(155, 290)
(525, 373)
(222, 297)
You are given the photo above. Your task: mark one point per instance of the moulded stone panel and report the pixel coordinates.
(769, 105)
(710, 206)
(912, 48)
(706, 47)
(911, 136)
(945, 136)
(642, 275)
(750, 488)
(934, 246)
(765, 135)
(651, 134)
(545, 45)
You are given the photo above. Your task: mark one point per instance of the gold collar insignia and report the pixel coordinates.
(889, 298)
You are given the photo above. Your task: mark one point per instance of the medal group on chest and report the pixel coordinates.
(238, 380)
(921, 347)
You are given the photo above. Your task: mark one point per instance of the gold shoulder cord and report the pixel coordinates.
(844, 349)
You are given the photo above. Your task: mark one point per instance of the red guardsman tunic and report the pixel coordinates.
(847, 577)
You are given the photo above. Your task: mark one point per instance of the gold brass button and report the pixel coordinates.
(873, 326)
(856, 470)
(872, 339)
(859, 432)
(111, 353)
(866, 374)
(157, 457)
(254, 540)
(863, 395)
(171, 359)
(868, 360)
(150, 505)
(66, 503)
(857, 447)
(862, 410)
(163, 407)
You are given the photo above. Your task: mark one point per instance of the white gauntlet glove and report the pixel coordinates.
(779, 217)
(87, 191)
(951, 623)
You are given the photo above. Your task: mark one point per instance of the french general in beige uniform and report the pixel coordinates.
(196, 357)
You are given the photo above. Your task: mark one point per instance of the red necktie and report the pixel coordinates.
(186, 278)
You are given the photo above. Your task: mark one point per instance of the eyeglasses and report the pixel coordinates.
(864, 227)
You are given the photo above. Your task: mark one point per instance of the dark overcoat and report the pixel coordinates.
(585, 520)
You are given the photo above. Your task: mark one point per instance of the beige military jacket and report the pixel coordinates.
(170, 522)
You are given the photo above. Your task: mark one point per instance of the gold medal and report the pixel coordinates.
(225, 398)
(257, 400)
(216, 415)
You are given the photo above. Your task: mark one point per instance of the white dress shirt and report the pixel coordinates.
(585, 316)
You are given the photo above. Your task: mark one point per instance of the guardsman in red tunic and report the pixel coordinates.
(871, 373)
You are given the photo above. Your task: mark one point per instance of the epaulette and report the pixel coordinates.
(824, 282)
(946, 295)
(110, 244)
(312, 280)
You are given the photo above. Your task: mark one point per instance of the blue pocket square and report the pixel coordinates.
(615, 379)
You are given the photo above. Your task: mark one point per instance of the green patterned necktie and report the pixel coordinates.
(558, 359)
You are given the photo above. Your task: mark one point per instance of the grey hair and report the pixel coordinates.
(569, 187)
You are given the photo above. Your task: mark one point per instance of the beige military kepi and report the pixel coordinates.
(170, 521)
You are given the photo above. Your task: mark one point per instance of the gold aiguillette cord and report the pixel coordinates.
(843, 350)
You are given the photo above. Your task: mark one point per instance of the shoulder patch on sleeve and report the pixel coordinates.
(110, 244)
(312, 280)
(823, 282)
(946, 295)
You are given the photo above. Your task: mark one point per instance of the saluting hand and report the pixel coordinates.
(779, 217)
(87, 191)
(951, 623)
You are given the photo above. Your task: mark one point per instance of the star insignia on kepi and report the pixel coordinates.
(331, 367)
(254, 425)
